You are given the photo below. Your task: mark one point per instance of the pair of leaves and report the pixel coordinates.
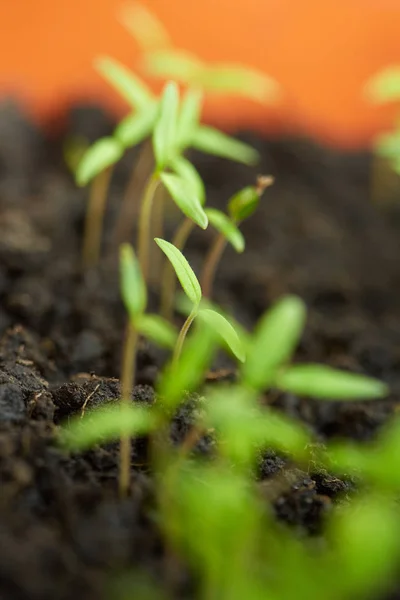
(271, 347)
(134, 296)
(192, 289)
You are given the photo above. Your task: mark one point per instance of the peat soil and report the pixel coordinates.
(318, 233)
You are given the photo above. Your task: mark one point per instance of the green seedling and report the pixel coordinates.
(192, 289)
(134, 295)
(240, 207)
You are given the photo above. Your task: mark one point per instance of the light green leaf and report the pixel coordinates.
(136, 127)
(148, 31)
(225, 330)
(224, 225)
(101, 155)
(241, 80)
(157, 329)
(319, 381)
(179, 65)
(388, 145)
(126, 83)
(275, 338)
(189, 116)
(187, 171)
(187, 374)
(133, 288)
(106, 424)
(183, 270)
(385, 86)
(211, 141)
(182, 192)
(164, 136)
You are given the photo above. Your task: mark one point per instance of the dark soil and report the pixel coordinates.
(64, 534)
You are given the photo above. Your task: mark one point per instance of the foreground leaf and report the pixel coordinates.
(105, 425)
(224, 225)
(184, 196)
(276, 336)
(126, 83)
(102, 154)
(133, 288)
(211, 141)
(319, 381)
(183, 270)
(225, 330)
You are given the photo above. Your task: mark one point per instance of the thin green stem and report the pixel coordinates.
(127, 383)
(210, 265)
(169, 279)
(95, 217)
(145, 224)
(183, 333)
(158, 232)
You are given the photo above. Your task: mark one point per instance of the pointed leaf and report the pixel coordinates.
(189, 116)
(276, 336)
(225, 330)
(183, 271)
(105, 425)
(157, 329)
(184, 196)
(148, 31)
(136, 127)
(133, 288)
(224, 225)
(211, 141)
(319, 381)
(385, 86)
(164, 136)
(187, 171)
(126, 83)
(101, 155)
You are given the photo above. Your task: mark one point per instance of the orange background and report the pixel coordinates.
(321, 51)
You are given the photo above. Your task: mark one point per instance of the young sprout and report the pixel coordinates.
(241, 206)
(192, 289)
(134, 296)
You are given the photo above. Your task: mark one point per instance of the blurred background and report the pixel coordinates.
(321, 53)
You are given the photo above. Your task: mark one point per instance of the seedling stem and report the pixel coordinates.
(210, 265)
(94, 218)
(182, 334)
(145, 224)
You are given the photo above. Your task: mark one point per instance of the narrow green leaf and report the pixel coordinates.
(133, 288)
(245, 202)
(106, 424)
(211, 141)
(157, 329)
(126, 83)
(136, 127)
(225, 330)
(183, 270)
(189, 116)
(101, 155)
(224, 225)
(179, 65)
(319, 381)
(148, 31)
(241, 80)
(164, 136)
(275, 338)
(183, 194)
(187, 171)
(385, 86)
(186, 375)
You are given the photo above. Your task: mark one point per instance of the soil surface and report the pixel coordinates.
(64, 534)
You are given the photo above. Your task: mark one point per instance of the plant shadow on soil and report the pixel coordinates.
(63, 530)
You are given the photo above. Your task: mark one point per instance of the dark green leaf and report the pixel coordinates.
(102, 154)
(211, 141)
(183, 271)
(126, 83)
(244, 203)
(276, 336)
(319, 381)
(224, 225)
(183, 193)
(133, 288)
